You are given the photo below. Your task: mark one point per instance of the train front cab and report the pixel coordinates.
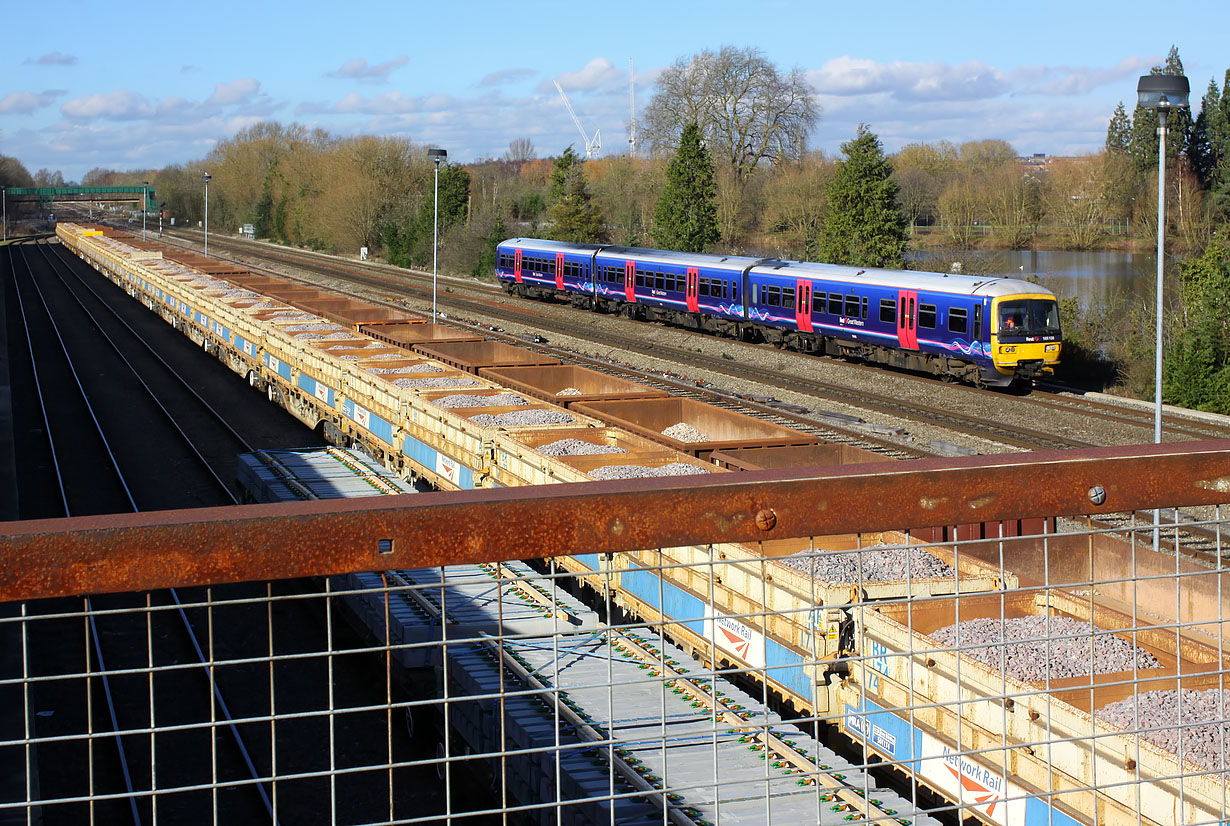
(1025, 337)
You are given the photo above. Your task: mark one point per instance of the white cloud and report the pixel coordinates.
(53, 59)
(505, 76)
(24, 103)
(236, 92)
(598, 75)
(118, 105)
(358, 69)
(909, 81)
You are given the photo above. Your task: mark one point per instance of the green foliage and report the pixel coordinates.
(1192, 362)
(410, 243)
(528, 207)
(485, 264)
(573, 214)
(864, 226)
(685, 217)
(1119, 133)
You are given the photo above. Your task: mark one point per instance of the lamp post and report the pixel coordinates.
(4, 205)
(144, 206)
(1161, 93)
(207, 177)
(438, 156)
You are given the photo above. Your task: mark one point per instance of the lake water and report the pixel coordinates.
(1094, 277)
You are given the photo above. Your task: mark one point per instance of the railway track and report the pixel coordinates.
(389, 288)
(391, 283)
(120, 413)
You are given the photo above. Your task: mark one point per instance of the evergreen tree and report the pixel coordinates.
(1192, 363)
(864, 226)
(1145, 123)
(410, 244)
(685, 217)
(485, 265)
(573, 214)
(1119, 133)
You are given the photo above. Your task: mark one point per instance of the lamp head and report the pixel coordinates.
(438, 156)
(206, 177)
(1163, 92)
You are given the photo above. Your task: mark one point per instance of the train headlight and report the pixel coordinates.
(1050, 348)
(1006, 350)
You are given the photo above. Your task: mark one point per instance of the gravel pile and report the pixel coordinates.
(518, 418)
(347, 358)
(875, 564)
(569, 391)
(291, 315)
(409, 368)
(262, 305)
(1203, 716)
(577, 447)
(437, 382)
(472, 400)
(684, 432)
(327, 337)
(641, 472)
(1029, 656)
(387, 356)
(315, 327)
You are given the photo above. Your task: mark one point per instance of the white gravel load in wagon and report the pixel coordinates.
(341, 334)
(684, 432)
(523, 418)
(409, 368)
(458, 400)
(1200, 718)
(438, 382)
(569, 391)
(291, 315)
(875, 564)
(578, 447)
(387, 356)
(1035, 648)
(642, 472)
(315, 327)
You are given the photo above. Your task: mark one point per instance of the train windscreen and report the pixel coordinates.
(1029, 317)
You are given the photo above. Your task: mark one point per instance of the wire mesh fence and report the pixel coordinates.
(1054, 669)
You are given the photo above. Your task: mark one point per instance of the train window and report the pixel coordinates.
(788, 297)
(681, 283)
(834, 303)
(659, 281)
(772, 296)
(926, 316)
(818, 302)
(852, 306)
(864, 306)
(957, 318)
(888, 311)
(977, 321)
(734, 293)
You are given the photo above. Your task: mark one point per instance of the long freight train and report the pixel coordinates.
(986, 330)
(856, 650)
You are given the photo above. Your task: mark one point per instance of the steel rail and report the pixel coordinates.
(123, 552)
(125, 769)
(57, 265)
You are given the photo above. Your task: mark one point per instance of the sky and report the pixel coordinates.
(146, 85)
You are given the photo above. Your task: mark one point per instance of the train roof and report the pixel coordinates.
(988, 285)
(739, 262)
(550, 246)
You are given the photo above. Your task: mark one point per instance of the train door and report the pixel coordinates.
(907, 315)
(802, 305)
(559, 271)
(693, 290)
(630, 280)
(517, 266)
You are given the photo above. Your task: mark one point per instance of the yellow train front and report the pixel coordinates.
(1026, 340)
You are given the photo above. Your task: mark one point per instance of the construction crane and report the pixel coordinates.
(592, 146)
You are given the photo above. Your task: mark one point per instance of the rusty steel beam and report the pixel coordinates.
(256, 542)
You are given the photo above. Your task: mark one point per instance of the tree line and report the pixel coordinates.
(729, 170)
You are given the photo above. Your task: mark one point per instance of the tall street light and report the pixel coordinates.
(1161, 93)
(438, 156)
(206, 177)
(144, 206)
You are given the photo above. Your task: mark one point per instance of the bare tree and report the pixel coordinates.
(520, 149)
(747, 110)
